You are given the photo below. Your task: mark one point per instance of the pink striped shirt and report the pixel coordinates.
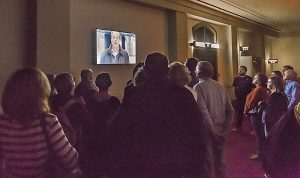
(25, 151)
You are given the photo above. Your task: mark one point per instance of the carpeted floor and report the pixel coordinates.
(239, 146)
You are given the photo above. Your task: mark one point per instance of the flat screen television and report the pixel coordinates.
(115, 47)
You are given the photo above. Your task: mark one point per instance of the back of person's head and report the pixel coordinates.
(277, 84)
(64, 84)
(103, 81)
(86, 74)
(277, 74)
(25, 95)
(139, 77)
(191, 63)
(179, 74)
(136, 68)
(204, 69)
(156, 65)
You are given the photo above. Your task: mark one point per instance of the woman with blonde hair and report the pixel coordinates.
(180, 76)
(29, 135)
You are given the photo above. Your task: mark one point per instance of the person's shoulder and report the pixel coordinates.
(106, 51)
(51, 119)
(296, 83)
(178, 91)
(123, 51)
(237, 78)
(114, 99)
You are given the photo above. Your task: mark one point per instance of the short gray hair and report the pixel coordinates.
(204, 69)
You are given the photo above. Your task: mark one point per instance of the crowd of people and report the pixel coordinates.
(271, 105)
(172, 122)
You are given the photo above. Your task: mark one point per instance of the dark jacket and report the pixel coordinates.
(158, 131)
(86, 89)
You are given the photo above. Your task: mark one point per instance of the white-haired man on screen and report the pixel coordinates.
(115, 54)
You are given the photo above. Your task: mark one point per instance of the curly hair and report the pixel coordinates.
(179, 74)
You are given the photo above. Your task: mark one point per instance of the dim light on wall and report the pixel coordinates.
(205, 45)
(244, 48)
(272, 61)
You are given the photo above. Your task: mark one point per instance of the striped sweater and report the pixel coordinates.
(25, 151)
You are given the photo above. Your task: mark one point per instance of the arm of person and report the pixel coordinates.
(204, 111)
(295, 96)
(234, 84)
(257, 95)
(65, 153)
(126, 57)
(229, 114)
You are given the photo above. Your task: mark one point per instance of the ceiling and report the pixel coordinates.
(282, 15)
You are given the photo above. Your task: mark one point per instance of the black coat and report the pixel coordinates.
(158, 130)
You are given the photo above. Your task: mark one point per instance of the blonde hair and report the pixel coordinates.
(179, 74)
(297, 113)
(25, 95)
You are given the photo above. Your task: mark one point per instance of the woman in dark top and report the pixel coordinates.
(106, 105)
(72, 114)
(282, 151)
(102, 109)
(277, 102)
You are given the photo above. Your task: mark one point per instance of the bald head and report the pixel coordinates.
(156, 64)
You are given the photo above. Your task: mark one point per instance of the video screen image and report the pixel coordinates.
(115, 47)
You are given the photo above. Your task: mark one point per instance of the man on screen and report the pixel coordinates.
(115, 54)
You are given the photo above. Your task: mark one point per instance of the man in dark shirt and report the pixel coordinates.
(242, 87)
(158, 130)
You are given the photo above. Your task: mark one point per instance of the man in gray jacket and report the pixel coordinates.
(115, 54)
(216, 110)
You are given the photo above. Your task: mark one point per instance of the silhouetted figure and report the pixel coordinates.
(242, 87)
(130, 83)
(259, 94)
(86, 88)
(103, 107)
(191, 64)
(158, 129)
(282, 147)
(276, 104)
(29, 134)
(180, 76)
(139, 77)
(216, 108)
(292, 88)
(72, 114)
(51, 78)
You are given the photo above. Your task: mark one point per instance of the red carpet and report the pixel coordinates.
(239, 146)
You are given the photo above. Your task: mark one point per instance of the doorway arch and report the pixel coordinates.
(206, 33)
